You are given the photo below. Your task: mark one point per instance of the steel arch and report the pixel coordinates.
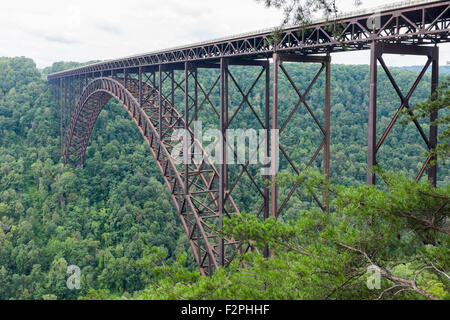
(198, 206)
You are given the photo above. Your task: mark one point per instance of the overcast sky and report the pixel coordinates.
(82, 30)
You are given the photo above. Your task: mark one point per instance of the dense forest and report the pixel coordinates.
(114, 218)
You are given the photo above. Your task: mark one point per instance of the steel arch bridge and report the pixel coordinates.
(146, 86)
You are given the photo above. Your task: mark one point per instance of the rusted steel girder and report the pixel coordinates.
(373, 146)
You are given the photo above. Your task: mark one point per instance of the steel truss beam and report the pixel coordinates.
(419, 23)
(373, 146)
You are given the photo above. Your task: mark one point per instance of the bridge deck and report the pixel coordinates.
(422, 22)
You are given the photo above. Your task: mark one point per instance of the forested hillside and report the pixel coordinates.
(106, 216)
(443, 70)
(100, 218)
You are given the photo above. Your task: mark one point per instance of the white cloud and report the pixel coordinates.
(49, 30)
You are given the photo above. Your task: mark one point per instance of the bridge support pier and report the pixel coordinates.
(61, 119)
(324, 126)
(373, 146)
(230, 117)
(223, 167)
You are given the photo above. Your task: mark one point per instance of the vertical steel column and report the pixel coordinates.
(432, 170)
(53, 88)
(195, 71)
(125, 77)
(65, 107)
(186, 137)
(172, 98)
(140, 86)
(372, 134)
(61, 113)
(80, 83)
(267, 145)
(326, 150)
(223, 151)
(71, 98)
(274, 191)
(160, 85)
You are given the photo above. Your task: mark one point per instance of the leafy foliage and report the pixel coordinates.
(301, 11)
(311, 261)
(99, 218)
(114, 218)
